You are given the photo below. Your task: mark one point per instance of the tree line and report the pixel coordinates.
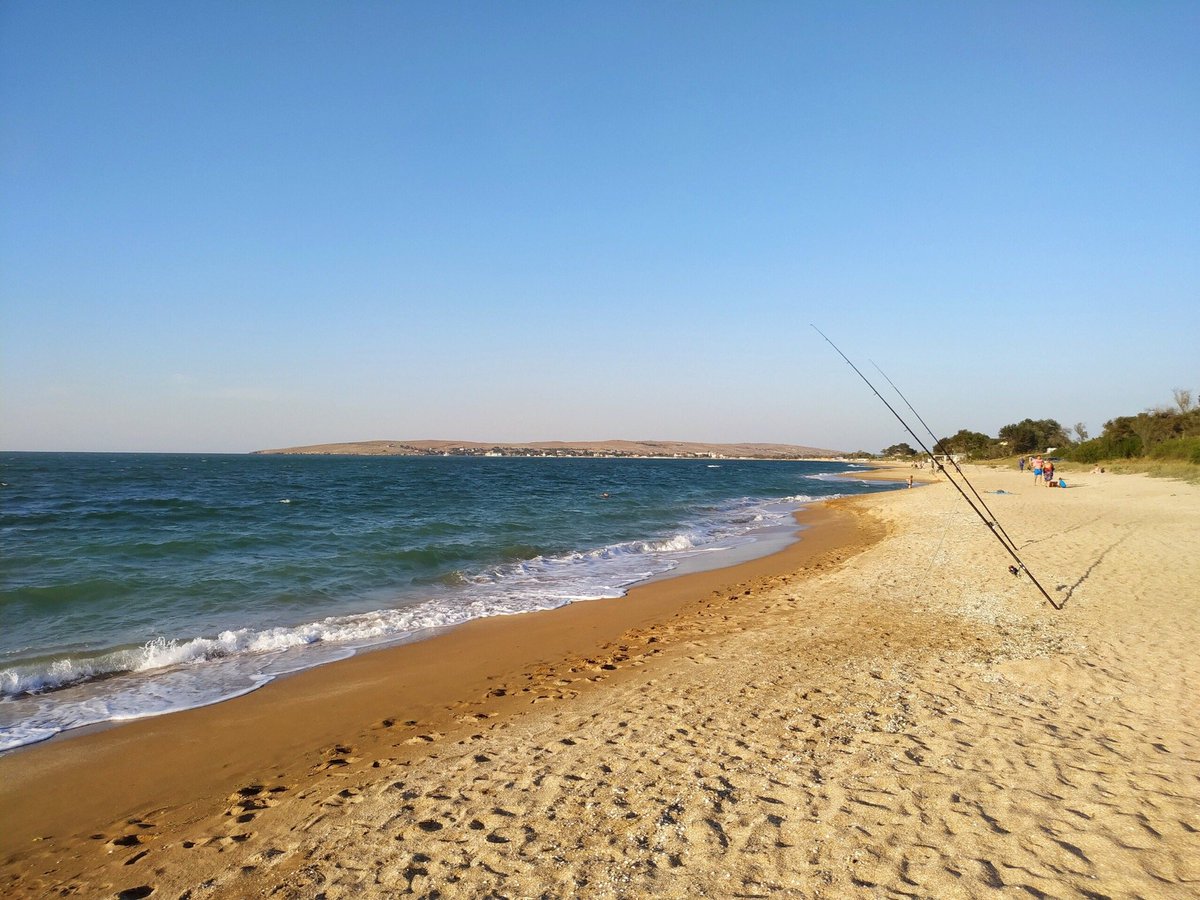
(1169, 432)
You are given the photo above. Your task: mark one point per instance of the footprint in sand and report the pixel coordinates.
(132, 839)
(337, 757)
(250, 800)
(226, 841)
(425, 738)
(345, 797)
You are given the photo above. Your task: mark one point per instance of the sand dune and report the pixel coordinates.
(908, 720)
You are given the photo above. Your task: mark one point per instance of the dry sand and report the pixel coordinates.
(881, 710)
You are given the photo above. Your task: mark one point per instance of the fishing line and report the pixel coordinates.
(953, 461)
(1005, 541)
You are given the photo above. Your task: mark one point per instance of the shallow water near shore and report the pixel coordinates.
(137, 584)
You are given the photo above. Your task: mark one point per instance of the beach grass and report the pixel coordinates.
(1178, 470)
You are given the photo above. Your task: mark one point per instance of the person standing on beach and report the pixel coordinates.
(1048, 472)
(1036, 462)
(1021, 464)
(910, 481)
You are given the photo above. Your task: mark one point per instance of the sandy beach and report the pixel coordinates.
(879, 710)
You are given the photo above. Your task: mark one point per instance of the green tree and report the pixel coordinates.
(1165, 432)
(1153, 427)
(898, 450)
(1137, 435)
(965, 441)
(1030, 435)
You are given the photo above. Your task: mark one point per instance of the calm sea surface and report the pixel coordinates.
(137, 584)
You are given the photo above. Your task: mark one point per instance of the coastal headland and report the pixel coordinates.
(880, 709)
(602, 449)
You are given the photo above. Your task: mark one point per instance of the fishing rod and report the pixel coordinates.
(953, 461)
(963, 475)
(1005, 543)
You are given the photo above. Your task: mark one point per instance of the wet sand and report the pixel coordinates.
(880, 709)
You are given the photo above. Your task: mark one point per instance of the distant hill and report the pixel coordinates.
(684, 449)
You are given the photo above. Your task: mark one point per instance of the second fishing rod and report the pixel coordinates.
(953, 461)
(1003, 538)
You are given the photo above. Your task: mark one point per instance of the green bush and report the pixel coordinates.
(1184, 449)
(1104, 447)
(1088, 452)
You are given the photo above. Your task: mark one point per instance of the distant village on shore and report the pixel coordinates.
(562, 449)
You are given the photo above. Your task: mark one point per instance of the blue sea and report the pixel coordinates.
(137, 584)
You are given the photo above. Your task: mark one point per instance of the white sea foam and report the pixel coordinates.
(41, 699)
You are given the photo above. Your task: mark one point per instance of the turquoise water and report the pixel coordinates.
(136, 584)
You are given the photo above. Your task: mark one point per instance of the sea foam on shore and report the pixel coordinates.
(210, 587)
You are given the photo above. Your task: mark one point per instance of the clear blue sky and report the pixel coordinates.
(226, 226)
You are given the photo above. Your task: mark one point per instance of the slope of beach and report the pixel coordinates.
(881, 709)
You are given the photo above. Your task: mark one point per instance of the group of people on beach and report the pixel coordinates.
(1043, 470)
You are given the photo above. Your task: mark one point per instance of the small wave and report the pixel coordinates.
(836, 477)
(539, 582)
(520, 552)
(165, 653)
(166, 674)
(61, 672)
(23, 735)
(676, 543)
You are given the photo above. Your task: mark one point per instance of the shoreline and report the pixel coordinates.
(54, 787)
(127, 673)
(890, 712)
